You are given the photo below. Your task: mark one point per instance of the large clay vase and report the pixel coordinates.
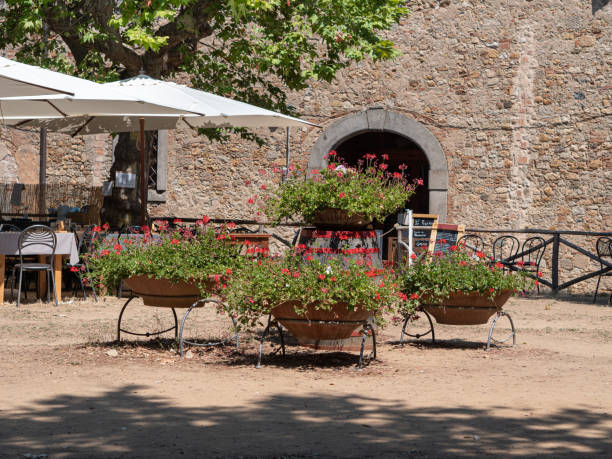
(466, 308)
(315, 325)
(165, 293)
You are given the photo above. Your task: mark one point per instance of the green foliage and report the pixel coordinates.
(260, 285)
(251, 50)
(369, 190)
(436, 277)
(175, 254)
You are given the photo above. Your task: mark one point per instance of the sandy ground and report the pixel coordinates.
(66, 390)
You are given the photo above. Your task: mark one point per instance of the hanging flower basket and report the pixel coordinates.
(339, 218)
(166, 293)
(466, 308)
(319, 324)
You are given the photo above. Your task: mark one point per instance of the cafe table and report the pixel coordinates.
(66, 246)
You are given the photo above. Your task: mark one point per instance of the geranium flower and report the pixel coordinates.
(397, 175)
(341, 195)
(385, 157)
(106, 227)
(174, 241)
(205, 219)
(414, 296)
(333, 153)
(323, 289)
(480, 255)
(321, 276)
(419, 182)
(454, 248)
(263, 187)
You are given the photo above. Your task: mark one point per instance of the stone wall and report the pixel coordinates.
(516, 92)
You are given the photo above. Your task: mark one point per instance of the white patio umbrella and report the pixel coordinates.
(196, 109)
(17, 79)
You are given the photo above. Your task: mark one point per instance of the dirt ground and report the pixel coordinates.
(67, 390)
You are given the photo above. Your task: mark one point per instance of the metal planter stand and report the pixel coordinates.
(215, 343)
(179, 334)
(366, 330)
(490, 340)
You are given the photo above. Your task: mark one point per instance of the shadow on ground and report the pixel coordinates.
(124, 423)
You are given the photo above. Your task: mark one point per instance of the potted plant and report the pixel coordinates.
(314, 300)
(341, 196)
(458, 288)
(172, 268)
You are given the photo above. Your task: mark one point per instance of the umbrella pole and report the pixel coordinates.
(143, 185)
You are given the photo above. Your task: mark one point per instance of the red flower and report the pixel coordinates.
(205, 219)
(454, 248)
(323, 289)
(397, 175)
(413, 256)
(247, 182)
(104, 253)
(480, 255)
(385, 157)
(231, 225)
(106, 227)
(296, 274)
(251, 201)
(315, 171)
(228, 271)
(331, 166)
(491, 290)
(382, 284)
(499, 265)
(321, 276)
(285, 271)
(341, 195)
(333, 279)
(339, 174)
(402, 167)
(520, 263)
(463, 263)
(177, 220)
(383, 166)
(74, 269)
(96, 229)
(333, 153)
(262, 171)
(539, 273)
(419, 182)
(174, 241)
(402, 296)
(377, 295)
(309, 258)
(414, 296)
(117, 247)
(263, 187)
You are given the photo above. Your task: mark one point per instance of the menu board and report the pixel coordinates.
(443, 236)
(420, 235)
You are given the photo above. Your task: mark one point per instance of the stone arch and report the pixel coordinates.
(378, 119)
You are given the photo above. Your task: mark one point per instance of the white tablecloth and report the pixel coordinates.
(66, 245)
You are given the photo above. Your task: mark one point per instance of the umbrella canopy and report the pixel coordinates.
(197, 109)
(90, 100)
(173, 105)
(17, 79)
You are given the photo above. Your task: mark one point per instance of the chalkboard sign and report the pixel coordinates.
(421, 236)
(443, 236)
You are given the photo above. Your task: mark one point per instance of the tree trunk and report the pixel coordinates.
(122, 208)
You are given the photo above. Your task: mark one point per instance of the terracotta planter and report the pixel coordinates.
(165, 293)
(339, 218)
(466, 309)
(316, 325)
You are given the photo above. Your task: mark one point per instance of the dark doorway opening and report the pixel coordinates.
(401, 150)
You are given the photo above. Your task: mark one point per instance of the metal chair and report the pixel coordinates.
(472, 242)
(85, 246)
(532, 254)
(41, 236)
(604, 250)
(505, 249)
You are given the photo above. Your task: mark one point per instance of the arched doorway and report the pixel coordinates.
(401, 151)
(413, 137)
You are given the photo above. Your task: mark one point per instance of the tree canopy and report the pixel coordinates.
(252, 50)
